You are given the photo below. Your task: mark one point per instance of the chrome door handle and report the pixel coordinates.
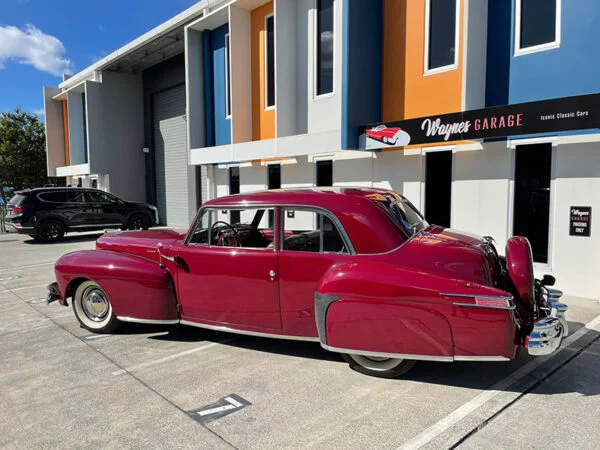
(272, 273)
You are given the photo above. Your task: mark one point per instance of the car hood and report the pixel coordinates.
(140, 243)
(451, 253)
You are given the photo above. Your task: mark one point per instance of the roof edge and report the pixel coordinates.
(176, 21)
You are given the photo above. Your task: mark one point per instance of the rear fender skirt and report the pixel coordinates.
(138, 289)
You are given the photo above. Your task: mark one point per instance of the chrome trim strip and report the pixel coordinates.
(322, 304)
(500, 297)
(481, 358)
(389, 355)
(94, 225)
(470, 305)
(148, 321)
(249, 333)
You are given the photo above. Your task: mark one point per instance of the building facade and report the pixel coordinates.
(243, 95)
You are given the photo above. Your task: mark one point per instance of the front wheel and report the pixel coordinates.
(379, 366)
(93, 309)
(139, 222)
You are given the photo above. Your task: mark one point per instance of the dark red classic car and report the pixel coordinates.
(358, 270)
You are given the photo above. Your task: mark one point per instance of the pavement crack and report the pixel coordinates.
(485, 422)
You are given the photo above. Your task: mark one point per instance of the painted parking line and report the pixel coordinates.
(28, 266)
(169, 358)
(457, 415)
(223, 407)
(12, 277)
(29, 287)
(91, 337)
(36, 301)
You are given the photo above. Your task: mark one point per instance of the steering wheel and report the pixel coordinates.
(235, 233)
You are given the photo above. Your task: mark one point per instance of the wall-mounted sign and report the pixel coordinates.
(580, 221)
(560, 114)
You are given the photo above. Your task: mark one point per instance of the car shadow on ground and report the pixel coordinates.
(470, 375)
(68, 239)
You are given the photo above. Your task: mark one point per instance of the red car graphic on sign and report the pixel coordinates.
(390, 136)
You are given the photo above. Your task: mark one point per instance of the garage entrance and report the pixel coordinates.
(170, 156)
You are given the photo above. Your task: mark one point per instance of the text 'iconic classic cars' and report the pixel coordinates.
(358, 270)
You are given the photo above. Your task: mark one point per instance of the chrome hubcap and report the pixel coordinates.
(95, 304)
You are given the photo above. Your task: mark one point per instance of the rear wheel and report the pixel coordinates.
(379, 366)
(139, 222)
(93, 309)
(51, 231)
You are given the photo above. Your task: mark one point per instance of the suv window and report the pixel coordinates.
(17, 200)
(55, 197)
(98, 197)
(310, 231)
(75, 196)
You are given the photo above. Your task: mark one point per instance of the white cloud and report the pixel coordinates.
(33, 47)
(39, 112)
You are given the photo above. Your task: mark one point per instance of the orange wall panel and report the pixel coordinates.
(407, 91)
(263, 122)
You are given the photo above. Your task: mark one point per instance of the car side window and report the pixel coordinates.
(54, 197)
(98, 197)
(310, 231)
(251, 231)
(75, 197)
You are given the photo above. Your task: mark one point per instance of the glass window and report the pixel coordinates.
(324, 173)
(252, 231)
(324, 47)
(538, 22)
(270, 61)
(274, 182)
(99, 197)
(442, 34)
(401, 212)
(57, 197)
(227, 78)
(234, 188)
(310, 231)
(17, 200)
(76, 197)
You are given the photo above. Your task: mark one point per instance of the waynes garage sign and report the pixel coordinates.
(568, 113)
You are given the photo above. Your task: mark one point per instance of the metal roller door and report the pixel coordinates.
(171, 160)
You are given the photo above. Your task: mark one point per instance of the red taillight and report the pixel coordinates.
(19, 209)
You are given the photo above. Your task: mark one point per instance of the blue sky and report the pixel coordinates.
(39, 39)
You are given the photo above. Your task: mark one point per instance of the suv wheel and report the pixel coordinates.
(138, 222)
(51, 231)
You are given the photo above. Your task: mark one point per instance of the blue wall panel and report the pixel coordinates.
(571, 69)
(222, 124)
(362, 34)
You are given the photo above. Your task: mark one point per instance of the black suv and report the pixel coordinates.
(47, 214)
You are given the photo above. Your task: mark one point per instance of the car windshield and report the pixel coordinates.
(401, 211)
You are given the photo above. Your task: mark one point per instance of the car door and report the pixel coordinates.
(228, 273)
(313, 242)
(103, 210)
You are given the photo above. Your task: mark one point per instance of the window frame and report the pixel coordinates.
(322, 212)
(316, 94)
(266, 66)
(216, 209)
(227, 49)
(518, 51)
(426, 70)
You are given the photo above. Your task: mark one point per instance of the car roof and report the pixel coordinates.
(368, 227)
(61, 188)
(327, 197)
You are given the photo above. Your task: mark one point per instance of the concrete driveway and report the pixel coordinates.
(61, 386)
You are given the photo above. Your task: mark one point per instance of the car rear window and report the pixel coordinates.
(56, 197)
(17, 200)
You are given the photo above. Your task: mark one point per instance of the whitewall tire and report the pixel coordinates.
(93, 309)
(379, 367)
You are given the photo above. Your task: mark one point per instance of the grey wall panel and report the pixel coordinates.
(76, 128)
(171, 157)
(55, 138)
(116, 132)
(195, 88)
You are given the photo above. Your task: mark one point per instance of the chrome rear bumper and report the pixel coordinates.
(549, 331)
